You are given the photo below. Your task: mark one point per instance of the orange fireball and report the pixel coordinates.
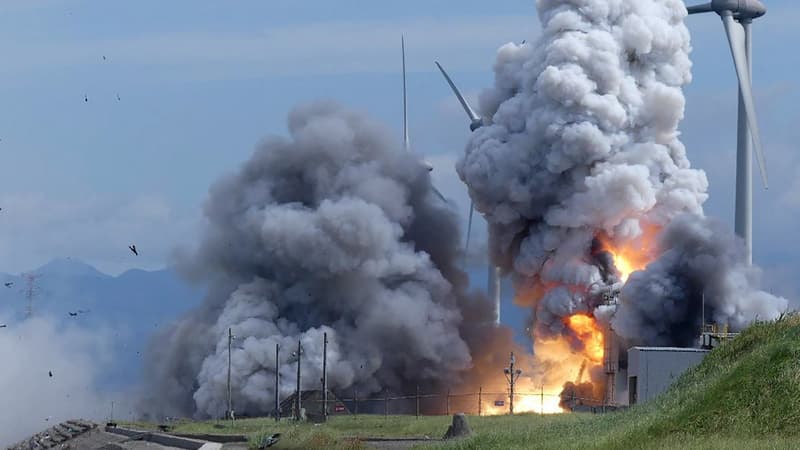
(586, 329)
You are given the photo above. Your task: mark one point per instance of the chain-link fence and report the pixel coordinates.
(451, 402)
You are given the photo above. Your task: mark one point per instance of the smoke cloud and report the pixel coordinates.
(581, 157)
(334, 230)
(32, 399)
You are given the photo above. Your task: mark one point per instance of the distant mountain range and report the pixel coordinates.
(128, 307)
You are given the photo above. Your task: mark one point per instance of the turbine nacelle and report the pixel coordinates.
(740, 9)
(475, 124)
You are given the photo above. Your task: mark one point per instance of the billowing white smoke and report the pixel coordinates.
(582, 146)
(333, 230)
(33, 400)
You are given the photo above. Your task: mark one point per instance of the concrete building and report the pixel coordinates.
(652, 370)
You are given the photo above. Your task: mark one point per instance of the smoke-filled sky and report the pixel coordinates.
(198, 85)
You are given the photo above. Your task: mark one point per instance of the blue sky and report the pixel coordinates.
(200, 83)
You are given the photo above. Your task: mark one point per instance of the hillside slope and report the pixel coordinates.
(745, 394)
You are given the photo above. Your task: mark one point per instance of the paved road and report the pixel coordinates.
(96, 439)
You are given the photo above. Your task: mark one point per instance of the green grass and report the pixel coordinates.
(745, 394)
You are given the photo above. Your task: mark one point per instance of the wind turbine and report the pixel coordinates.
(476, 122)
(737, 18)
(406, 143)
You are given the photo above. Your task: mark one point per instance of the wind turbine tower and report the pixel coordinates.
(737, 18)
(475, 122)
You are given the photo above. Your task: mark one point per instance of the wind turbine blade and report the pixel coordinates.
(736, 39)
(472, 116)
(699, 9)
(406, 144)
(469, 226)
(439, 194)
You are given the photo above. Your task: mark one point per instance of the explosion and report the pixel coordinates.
(594, 211)
(593, 207)
(590, 335)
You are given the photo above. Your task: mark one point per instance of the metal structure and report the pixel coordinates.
(714, 335)
(277, 383)
(229, 414)
(298, 356)
(511, 375)
(475, 122)
(737, 18)
(324, 376)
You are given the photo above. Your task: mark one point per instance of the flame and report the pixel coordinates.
(569, 363)
(631, 256)
(586, 329)
(541, 393)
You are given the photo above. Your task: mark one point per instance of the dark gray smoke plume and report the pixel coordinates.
(582, 147)
(702, 263)
(333, 230)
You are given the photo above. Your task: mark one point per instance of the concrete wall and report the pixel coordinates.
(651, 370)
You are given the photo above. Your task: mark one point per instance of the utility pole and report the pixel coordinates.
(512, 375)
(325, 377)
(541, 410)
(230, 405)
(298, 354)
(277, 383)
(355, 403)
(480, 394)
(417, 401)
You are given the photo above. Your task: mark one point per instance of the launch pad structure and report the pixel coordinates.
(639, 374)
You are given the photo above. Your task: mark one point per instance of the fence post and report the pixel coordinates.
(417, 401)
(480, 394)
(448, 401)
(355, 403)
(541, 411)
(385, 403)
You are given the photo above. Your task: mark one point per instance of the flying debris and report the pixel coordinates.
(8, 284)
(50, 372)
(3, 326)
(85, 98)
(80, 311)
(118, 99)
(72, 314)
(104, 57)
(133, 249)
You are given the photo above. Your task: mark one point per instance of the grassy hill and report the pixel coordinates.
(745, 394)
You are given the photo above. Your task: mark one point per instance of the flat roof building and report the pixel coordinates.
(652, 370)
